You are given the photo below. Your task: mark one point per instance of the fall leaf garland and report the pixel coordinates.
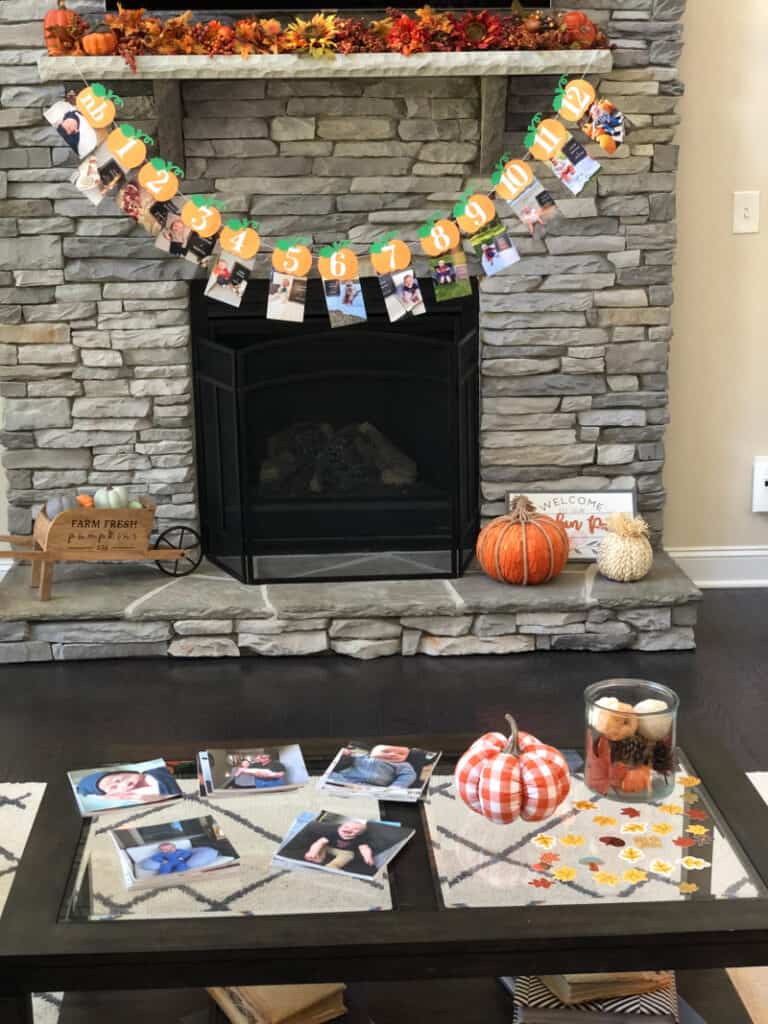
(325, 35)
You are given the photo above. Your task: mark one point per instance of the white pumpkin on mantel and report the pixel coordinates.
(110, 497)
(625, 553)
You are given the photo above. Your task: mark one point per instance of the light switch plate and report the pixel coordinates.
(760, 484)
(746, 213)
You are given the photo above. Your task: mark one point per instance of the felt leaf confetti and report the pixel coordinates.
(694, 863)
(697, 830)
(688, 887)
(682, 842)
(604, 821)
(564, 874)
(689, 781)
(662, 828)
(585, 805)
(634, 876)
(648, 842)
(541, 883)
(634, 828)
(661, 867)
(572, 839)
(549, 858)
(671, 809)
(632, 855)
(606, 878)
(691, 797)
(695, 815)
(540, 867)
(612, 841)
(544, 841)
(630, 812)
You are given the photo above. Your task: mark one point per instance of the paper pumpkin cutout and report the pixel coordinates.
(439, 235)
(161, 178)
(240, 238)
(573, 99)
(390, 254)
(546, 138)
(511, 177)
(473, 212)
(292, 256)
(97, 104)
(337, 262)
(201, 214)
(129, 145)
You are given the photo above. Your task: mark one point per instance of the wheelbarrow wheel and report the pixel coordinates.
(185, 539)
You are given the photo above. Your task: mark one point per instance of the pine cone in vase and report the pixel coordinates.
(630, 751)
(625, 552)
(663, 758)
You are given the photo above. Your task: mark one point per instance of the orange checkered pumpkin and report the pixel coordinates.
(505, 778)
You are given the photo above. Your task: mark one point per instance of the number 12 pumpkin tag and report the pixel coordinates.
(291, 262)
(391, 259)
(573, 98)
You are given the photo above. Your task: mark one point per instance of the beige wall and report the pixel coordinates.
(719, 362)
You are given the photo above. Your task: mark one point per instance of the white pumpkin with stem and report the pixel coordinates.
(625, 552)
(110, 497)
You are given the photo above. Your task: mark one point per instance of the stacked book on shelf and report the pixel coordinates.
(281, 1004)
(648, 997)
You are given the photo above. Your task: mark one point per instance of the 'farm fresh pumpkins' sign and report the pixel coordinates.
(584, 515)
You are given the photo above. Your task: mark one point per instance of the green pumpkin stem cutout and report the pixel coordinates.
(106, 94)
(557, 102)
(136, 133)
(378, 245)
(284, 244)
(530, 135)
(498, 171)
(211, 201)
(426, 228)
(329, 250)
(165, 165)
(461, 206)
(236, 224)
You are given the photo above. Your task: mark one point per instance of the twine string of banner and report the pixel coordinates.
(491, 194)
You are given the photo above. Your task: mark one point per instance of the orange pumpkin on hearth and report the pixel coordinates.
(58, 18)
(524, 546)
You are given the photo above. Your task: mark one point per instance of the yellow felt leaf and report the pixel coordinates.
(564, 874)
(604, 821)
(634, 875)
(572, 840)
(605, 878)
(662, 829)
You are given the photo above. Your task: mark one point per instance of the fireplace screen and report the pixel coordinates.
(336, 454)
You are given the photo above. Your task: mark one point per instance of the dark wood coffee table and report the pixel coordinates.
(47, 942)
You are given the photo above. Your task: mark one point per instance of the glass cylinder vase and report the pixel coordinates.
(631, 739)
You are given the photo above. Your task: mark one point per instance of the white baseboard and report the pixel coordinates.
(724, 567)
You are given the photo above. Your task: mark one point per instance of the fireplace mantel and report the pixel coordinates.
(356, 65)
(492, 68)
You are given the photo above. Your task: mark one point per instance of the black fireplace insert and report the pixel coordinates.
(336, 454)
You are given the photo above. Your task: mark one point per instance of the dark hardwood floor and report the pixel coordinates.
(57, 717)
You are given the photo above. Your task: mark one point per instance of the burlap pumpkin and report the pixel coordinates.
(625, 552)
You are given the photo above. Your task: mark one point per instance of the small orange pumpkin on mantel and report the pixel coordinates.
(524, 546)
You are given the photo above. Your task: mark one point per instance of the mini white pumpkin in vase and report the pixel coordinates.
(625, 552)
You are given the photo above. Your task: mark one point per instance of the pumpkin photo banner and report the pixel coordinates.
(114, 163)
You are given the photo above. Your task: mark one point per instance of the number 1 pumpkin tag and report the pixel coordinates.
(550, 141)
(291, 262)
(514, 181)
(391, 259)
(129, 145)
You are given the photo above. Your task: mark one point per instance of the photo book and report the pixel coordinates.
(253, 770)
(168, 854)
(117, 786)
(384, 771)
(534, 1003)
(281, 1004)
(342, 845)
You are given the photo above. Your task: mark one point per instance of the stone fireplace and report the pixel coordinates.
(99, 366)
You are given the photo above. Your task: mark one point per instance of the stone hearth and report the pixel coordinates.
(98, 612)
(95, 371)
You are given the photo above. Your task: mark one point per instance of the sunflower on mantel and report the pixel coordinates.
(318, 36)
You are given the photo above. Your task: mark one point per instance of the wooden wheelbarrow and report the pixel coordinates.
(103, 535)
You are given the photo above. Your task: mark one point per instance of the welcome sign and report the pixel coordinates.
(584, 514)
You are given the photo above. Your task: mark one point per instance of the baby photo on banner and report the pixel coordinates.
(338, 267)
(532, 204)
(441, 241)
(239, 242)
(106, 169)
(291, 262)
(391, 259)
(551, 142)
(74, 129)
(191, 232)
(599, 119)
(495, 247)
